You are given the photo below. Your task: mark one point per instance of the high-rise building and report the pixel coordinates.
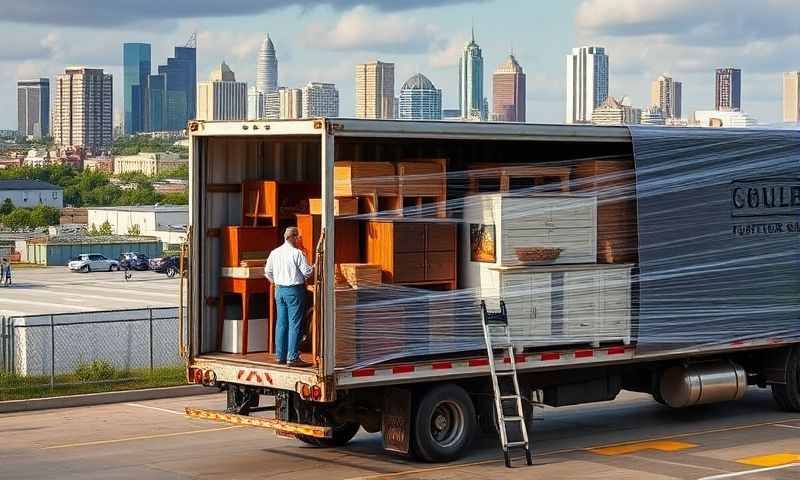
(267, 67)
(470, 82)
(587, 82)
(375, 90)
(320, 100)
(791, 97)
(272, 105)
(508, 92)
(420, 99)
(180, 89)
(83, 109)
(33, 107)
(135, 74)
(222, 97)
(666, 94)
(291, 103)
(156, 100)
(255, 104)
(728, 91)
(616, 112)
(652, 115)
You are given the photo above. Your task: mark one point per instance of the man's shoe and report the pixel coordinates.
(298, 364)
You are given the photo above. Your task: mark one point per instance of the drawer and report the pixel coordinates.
(441, 237)
(408, 237)
(440, 265)
(578, 244)
(409, 267)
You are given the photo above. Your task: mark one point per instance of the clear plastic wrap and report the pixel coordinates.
(692, 240)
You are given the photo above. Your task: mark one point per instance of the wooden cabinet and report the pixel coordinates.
(358, 179)
(413, 252)
(267, 202)
(346, 238)
(247, 243)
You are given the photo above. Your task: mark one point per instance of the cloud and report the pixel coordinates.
(105, 13)
(364, 29)
(448, 55)
(27, 48)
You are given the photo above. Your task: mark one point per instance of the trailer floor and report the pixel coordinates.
(630, 438)
(256, 358)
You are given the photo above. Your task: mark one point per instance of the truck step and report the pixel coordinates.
(512, 419)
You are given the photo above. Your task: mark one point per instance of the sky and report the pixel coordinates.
(324, 40)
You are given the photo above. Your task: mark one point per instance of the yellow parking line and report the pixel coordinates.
(774, 460)
(660, 445)
(142, 437)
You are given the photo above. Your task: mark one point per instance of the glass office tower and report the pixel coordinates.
(136, 70)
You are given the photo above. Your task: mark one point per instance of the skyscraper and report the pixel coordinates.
(291, 103)
(83, 109)
(267, 67)
(180, 89)
(420, 99)
(470, 82)
(320, 100)
(222, 97)
(666, 94)
(508, 92)
(375, 90)
(587, 82)
(33, 107)
(255, 104)
(791, 97)
(156, 100)
(728, 91)
(135, 74)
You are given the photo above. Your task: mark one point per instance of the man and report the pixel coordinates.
(288, 270)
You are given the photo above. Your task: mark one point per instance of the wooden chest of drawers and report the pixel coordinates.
(346, 238)
(413, 252)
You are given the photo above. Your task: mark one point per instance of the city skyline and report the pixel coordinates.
(324, 44)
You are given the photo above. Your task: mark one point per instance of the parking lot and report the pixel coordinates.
(40, 290)
(630, 438)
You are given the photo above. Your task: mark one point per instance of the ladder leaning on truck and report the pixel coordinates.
(432, 406)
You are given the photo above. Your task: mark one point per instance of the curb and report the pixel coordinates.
(11, 406)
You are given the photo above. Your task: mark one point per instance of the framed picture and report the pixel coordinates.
(482, 243)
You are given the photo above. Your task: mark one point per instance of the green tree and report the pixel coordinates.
(134, 230)
(105, 229)
(19, 218)
(93, 230)
(7, 207)
(44, 216)
(177, 198)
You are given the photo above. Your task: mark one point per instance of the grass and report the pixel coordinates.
(91, 378)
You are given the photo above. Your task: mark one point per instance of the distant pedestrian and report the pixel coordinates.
(6, 276)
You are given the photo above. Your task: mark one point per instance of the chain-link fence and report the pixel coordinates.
(88, 351)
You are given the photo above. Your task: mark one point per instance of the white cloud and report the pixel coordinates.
(448, 56)
(364, 29)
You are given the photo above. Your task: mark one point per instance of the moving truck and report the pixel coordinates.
(650, 259)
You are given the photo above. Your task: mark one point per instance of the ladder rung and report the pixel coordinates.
(509, 397)
(512, 419)
(516, 444)
(505, 373)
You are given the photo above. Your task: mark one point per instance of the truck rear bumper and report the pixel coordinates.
(286, 428)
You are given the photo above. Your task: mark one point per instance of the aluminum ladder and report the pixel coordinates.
(496, 323)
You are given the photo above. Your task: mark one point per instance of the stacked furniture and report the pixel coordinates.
(568, 298)
(497, 177)
(271, 203)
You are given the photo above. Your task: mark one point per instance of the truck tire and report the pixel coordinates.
(240, 401)
(342, 434)
(788, 395)
(443, 424)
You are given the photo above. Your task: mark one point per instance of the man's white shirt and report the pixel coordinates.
(287, 266)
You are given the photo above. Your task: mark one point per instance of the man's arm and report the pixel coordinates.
(303, 265)
(268, 269)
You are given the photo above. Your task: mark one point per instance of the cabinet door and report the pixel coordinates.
(616, 304)
(440, 266)
(408, 237)
(542, 298)
(517, 293)
(408, 268)
(580, 304)
(441, 237)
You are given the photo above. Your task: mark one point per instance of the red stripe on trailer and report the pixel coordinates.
(737, 343)
(478, 362)
(550, 356)
(364, 372)
(403, 369)
(442, 365)
(584, 353)
(616, 351)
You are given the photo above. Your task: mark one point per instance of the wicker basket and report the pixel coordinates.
(538, 254)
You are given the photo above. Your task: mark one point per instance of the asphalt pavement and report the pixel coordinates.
(630, 438)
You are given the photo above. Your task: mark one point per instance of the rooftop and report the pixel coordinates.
(145, 208)
(418, 82)
(25, 184)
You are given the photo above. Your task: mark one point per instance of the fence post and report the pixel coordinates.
(52, 353)
(150, 318)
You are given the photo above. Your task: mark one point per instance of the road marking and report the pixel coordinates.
(660, 445)
(174, 412)
(572, 450)
(786, 426)
(142, 437)
(679, 464)
(771, 460)
(750, 472)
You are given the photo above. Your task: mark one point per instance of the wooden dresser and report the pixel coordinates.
(346, 238)
(413, 252)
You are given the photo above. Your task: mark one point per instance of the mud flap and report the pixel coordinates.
(396, 420)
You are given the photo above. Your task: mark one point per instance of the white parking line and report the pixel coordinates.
(174, 412)
(786, 426)
(750, 472)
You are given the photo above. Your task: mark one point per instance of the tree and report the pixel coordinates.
(134, 230)
(19, 218)
(176, 198)
(105, 229)
(7, 207)
(93, 230)
(44, 216)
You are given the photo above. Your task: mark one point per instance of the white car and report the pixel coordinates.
(86, 262)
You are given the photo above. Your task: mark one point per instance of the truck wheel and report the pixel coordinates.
(240, 401)
(788, 395)
(443, 424)
(342, 434)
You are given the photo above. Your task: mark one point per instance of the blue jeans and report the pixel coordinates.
(291, 309)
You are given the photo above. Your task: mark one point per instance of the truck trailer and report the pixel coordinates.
(649, 259)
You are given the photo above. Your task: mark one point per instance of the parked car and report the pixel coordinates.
(87, 262)
(168, 265)
(134, 261)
